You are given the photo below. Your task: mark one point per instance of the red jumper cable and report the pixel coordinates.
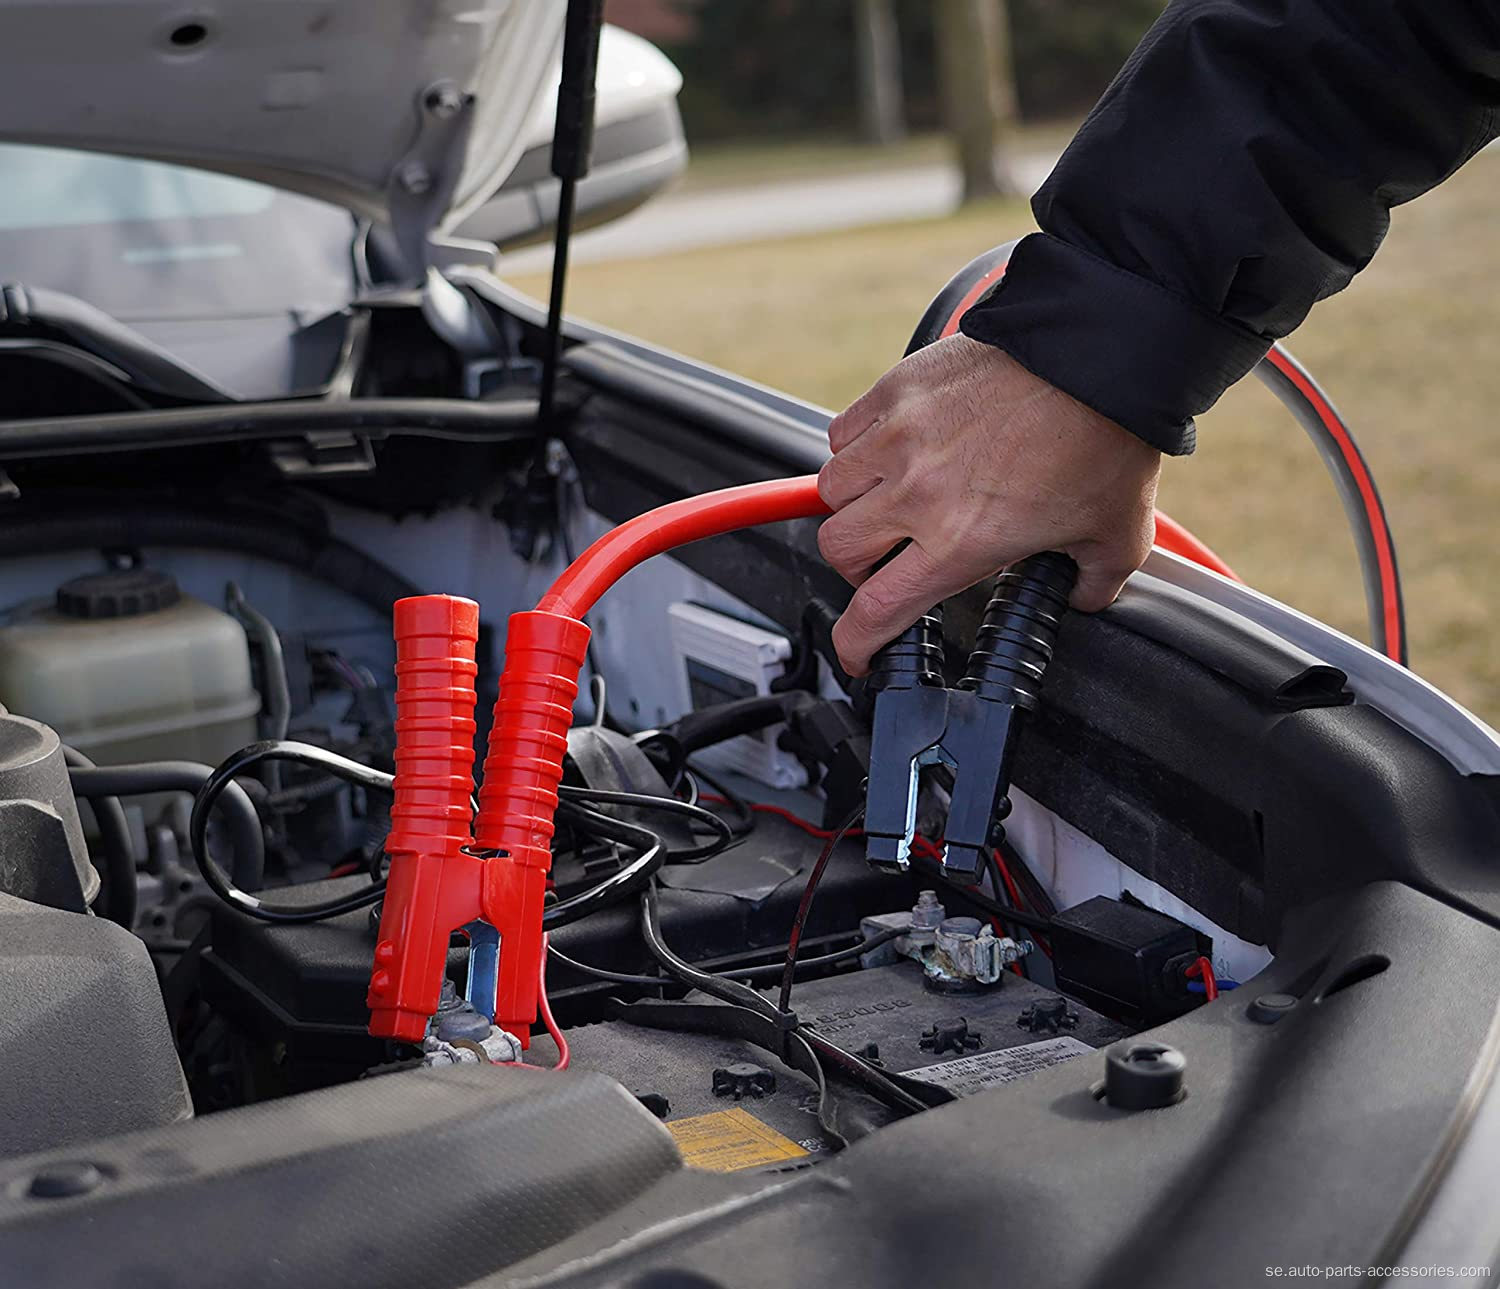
(493, 884)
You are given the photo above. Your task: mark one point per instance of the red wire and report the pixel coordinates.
(1010, 882)
(1385, 556)
(924, 846)
(545, 1007)
(678, 522)
(1172, 536)
(1203, 967)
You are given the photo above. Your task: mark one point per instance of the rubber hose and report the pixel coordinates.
(119, 849)
(262, 630)
(711, 725)
(247, 840)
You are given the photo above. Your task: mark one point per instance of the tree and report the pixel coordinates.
(877, 57)
(977, 84)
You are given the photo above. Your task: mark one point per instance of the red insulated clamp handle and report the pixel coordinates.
(434, 886)
(544, 653)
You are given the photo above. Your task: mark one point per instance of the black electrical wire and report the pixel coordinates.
(732, 799)
(977, 898)
(627, 881)
(904, 1096)
(667, 805)
(823, 959)
(736, 973)
(729, 991)
(671, 753)
(220, 782)
(603, 973)
(119, 848)
(246, 838)
(804, 905)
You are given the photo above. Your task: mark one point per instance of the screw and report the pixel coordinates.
(414, 177)
(928, 911)
(443, 100)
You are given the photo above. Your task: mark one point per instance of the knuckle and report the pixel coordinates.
(874, 605)
(828, 480)
(833, 543)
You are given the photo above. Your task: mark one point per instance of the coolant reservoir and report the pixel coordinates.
(125, 667)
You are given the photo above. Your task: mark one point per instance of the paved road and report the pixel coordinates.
(721, 217)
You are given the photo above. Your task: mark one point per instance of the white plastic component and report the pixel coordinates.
(719, 658)
(1073, 867)
(170, 685)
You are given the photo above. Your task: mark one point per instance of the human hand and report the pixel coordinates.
(979, 463)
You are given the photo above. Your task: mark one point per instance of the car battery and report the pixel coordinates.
(733, 1106)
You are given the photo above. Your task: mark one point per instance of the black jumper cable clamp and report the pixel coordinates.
(918, 721)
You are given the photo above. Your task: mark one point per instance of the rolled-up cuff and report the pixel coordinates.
(1144, 356)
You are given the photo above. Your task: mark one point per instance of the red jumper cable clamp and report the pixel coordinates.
(494, 885)
(434, 880)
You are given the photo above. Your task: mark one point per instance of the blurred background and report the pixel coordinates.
(848, 155)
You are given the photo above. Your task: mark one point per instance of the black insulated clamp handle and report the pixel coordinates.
(909, 713)
(1016, 638)
(918, 721)
(915, 657)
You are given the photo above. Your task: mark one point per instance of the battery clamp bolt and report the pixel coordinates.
(956, 1037)
(743, 1080)
(1049, 1016)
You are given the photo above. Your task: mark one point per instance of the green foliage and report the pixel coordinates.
(1067, 51)
(783, 67)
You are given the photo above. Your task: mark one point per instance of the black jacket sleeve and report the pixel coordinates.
(1241, 167)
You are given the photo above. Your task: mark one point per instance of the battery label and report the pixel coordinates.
(729, 1140)
(970, 1074)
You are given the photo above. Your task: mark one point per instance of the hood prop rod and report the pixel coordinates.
(572, 150)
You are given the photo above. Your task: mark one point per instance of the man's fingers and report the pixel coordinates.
(860, 416)
(860, 535)
(888, 602)
(1099, 582)
(1104, 565)
(845, 477)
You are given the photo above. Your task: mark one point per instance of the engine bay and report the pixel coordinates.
(735, 747)
(1189, 791)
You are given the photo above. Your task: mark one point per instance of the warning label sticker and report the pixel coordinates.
(971, 1074)
(729, 1140)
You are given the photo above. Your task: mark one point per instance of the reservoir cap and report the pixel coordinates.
(121, 593)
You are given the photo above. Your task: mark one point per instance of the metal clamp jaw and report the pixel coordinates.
(919, 721)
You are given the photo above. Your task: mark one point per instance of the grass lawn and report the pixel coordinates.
(736, 165)
(1408, 354)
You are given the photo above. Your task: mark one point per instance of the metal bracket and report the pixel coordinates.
(330, 453)
(484, 967)
(421, 184)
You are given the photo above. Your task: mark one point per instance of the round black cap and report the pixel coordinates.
(64, 1180)
(1270, 1008)
(1141, 1075)
(124, 593)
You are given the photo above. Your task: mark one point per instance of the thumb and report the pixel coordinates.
(1099, 581)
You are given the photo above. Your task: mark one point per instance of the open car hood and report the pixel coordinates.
(411, 111)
